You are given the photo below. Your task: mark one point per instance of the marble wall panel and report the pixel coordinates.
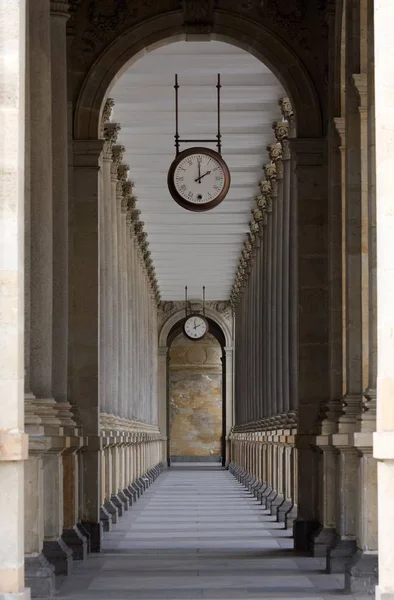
(195, 393)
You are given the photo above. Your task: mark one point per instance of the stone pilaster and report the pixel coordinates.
(39, 573)
(362, 572)
(110, 132)
(58, 20)
(84, 320)
(13, 439)
(384, 437)
(313, 385)
(41, 320)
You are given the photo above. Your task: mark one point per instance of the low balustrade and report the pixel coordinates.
(264, 459)
(132, 456)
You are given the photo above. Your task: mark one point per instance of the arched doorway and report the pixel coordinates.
(309, 153)
(195, 400)
(221, 365)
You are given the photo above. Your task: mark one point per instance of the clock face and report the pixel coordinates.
(199, 179)
(195, 327)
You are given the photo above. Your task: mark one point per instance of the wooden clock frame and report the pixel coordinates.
(191, 205)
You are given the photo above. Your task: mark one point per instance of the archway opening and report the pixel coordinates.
(195, 399)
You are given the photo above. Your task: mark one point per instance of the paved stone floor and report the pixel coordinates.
(197, 533)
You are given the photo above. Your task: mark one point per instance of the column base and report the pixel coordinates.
(303, 530)
(322, 541)
(95, 532)
(112, 510)
(39, 576)
(276, 504)
(77, 542)
(265, 495)
(361, 575)
(25, 595)
(283, 509)
(124, 499)
(105, 519)
(133, 493)
(339, 555)
(59, 555)
(129, 496)
(85, 534)
(117, 502)
(291, 517)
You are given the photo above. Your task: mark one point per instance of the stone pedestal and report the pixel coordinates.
(54, 548)
(39, 573)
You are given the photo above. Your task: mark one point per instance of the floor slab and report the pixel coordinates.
(197, 533)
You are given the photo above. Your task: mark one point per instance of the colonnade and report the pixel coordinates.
(336, 489)
(309, 318)
(90, 404)
(265, 303)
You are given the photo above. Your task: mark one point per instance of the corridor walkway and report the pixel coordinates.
(197, 533)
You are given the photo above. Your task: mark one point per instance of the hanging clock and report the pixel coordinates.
(198, 179)
(195, 327)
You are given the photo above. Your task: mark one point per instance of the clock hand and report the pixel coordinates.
(199, 171)
(199, 178)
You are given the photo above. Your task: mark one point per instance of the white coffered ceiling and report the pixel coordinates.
(196, 249)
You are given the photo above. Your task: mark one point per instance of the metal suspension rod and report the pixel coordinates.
(176, 86)
(185, 300)
(203, 300)
(219, 135)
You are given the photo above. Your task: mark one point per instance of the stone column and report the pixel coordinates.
(117, 154)
(59, 16)
(54, 548)
(13, 439)
(361, 573)
(384, 437)
(72, 535)
(346, 546)
(106, 308)
(313, 382)
(270, 371)
(229, 396)
(276, 157)
(261, 203)
(84, 320)
(129, 308)
(41, 200)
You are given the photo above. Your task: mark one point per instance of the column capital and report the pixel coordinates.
(60, 8)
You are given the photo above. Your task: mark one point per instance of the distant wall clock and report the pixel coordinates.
(198, 179)
(195, 327)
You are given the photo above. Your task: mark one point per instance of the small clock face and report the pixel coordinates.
(199, 179)
(195, 327)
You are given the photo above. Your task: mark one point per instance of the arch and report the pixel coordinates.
(179, 316)
(248, 35)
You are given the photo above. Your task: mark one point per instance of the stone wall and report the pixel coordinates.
(195, 392)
